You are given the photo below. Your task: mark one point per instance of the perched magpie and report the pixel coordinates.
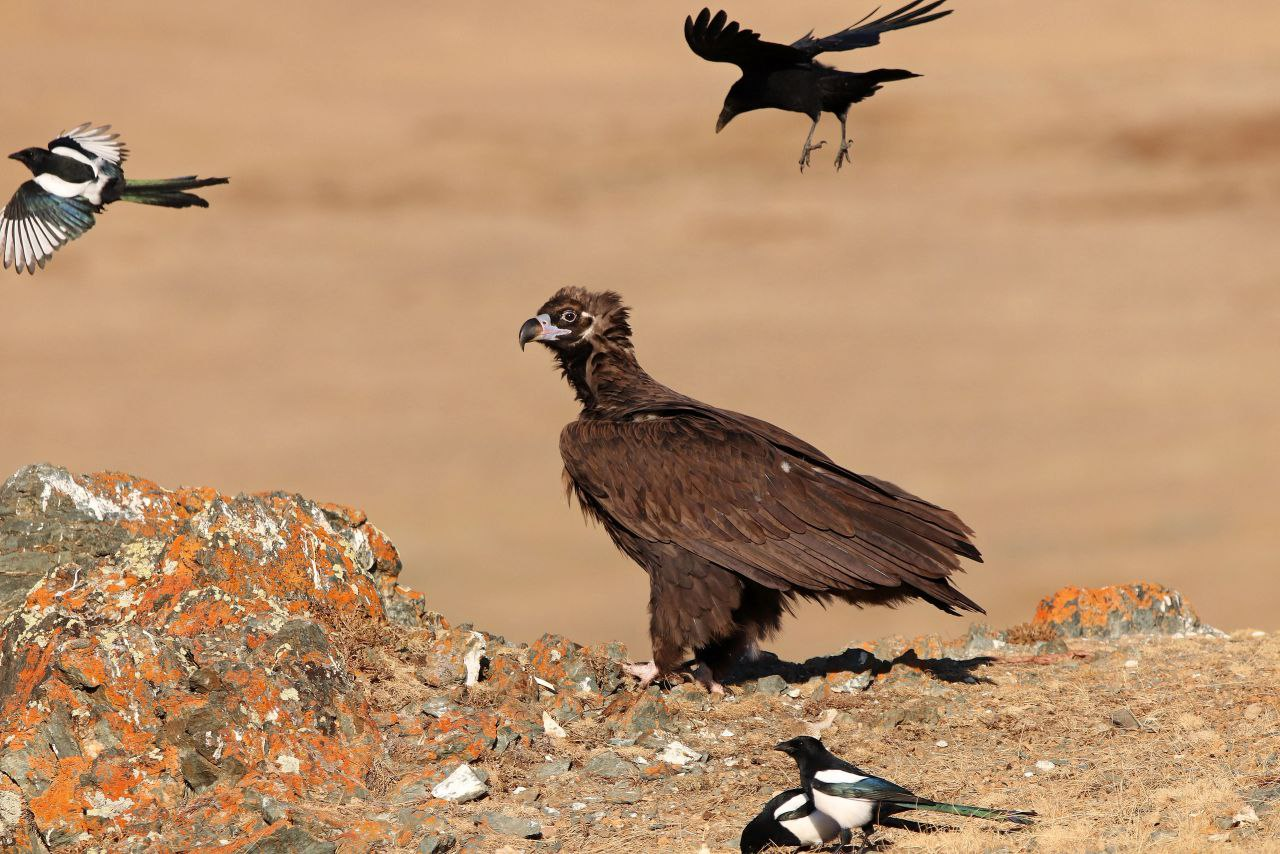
(78, 175)
(789, 819)
(857, 800)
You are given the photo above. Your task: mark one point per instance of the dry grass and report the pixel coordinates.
(1209, 734)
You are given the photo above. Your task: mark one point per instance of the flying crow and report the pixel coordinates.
(733, 518)
(78, 175)
(787, 77)
(789, 819)
(857, 800)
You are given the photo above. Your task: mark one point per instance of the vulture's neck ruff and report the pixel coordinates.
(602, 367)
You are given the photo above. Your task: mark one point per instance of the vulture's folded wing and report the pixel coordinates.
(867, 33)
(717, 39)
(780, 517)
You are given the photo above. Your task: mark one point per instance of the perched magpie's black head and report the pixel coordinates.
(801, 746)
(30, 157)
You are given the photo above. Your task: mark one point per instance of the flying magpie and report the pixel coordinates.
(790, 819)
(857, 800)
(788, 77)
(78, 175)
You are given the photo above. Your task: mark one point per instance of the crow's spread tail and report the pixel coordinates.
(1016, 816)
(169, 192)
(886, 75)
(855, 86)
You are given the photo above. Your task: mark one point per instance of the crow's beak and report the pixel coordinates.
(782, 747)
(17, 155)
(540, 329)
(725, 117)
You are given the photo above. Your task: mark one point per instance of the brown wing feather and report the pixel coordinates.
(753, 499)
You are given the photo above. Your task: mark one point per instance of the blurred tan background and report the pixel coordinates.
(1047, 294)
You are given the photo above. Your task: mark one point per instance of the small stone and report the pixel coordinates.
(527, 796)
(460, 786)
(1124, 719)
(622, 794)
(522, 828)
(940, 743)
(610, 765)
(774, 684)
(1248, 815)
(680, 755)
(1131, 663)
(435, 844)
(1045, 765)
(1253, 711)
(551, 728)
(1218, 837)
(554, 768)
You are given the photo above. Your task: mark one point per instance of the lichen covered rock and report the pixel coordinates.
(183, 670)
(179, 656)
(1125, 609)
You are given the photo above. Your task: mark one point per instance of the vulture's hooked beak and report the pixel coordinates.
(726, 116)
(540, 329)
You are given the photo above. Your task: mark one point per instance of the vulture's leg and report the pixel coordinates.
(808, 144)
(842, 156)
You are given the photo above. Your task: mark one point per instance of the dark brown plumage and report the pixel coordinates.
(732, 517)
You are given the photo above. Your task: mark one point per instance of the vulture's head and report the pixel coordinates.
(575, 319)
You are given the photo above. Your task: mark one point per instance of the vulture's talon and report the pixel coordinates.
(646, 673)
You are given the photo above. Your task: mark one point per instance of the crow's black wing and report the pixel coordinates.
(35, 224)
(867, 33)
(717, 39)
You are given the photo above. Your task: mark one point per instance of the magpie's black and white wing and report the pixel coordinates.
(866, 33)
(35, 224)
(90, 142)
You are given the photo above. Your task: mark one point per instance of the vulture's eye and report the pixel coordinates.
(568, 315)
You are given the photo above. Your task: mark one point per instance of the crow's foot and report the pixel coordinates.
(809, 149)
(843, 156)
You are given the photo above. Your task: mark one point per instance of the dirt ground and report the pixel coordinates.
(1198, 767)
(1045, 295)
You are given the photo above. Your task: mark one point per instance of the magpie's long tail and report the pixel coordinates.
(169, 192)
(1015, 816)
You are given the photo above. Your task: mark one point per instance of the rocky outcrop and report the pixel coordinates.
(184, 670)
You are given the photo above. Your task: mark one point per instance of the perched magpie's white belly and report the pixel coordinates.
(847, 811)
(814, 829)
(58, 187)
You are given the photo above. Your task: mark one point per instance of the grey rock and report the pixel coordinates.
(1124, 719)
(291, 840)
(554, 768)
(774, 684)
(521, 828)
(623, 794)
(610, 765)
(436, 844)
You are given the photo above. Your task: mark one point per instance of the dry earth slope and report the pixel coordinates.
(183, 670)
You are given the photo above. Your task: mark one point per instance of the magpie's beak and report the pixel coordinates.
(726, 116)
(783, 747)
(17, 155)
(540, 329)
